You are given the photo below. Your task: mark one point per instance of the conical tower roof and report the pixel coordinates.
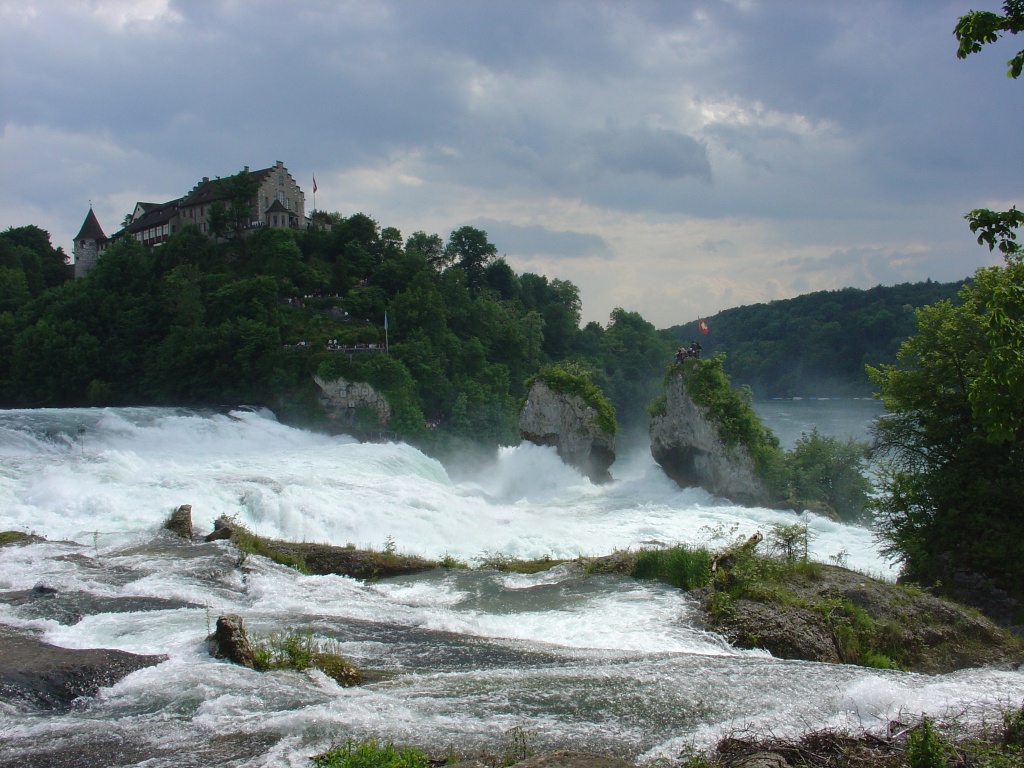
(91, 229)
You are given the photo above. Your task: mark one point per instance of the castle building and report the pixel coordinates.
(278, 203)
(89, 243)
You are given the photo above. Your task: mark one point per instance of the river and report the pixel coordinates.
(602, 663)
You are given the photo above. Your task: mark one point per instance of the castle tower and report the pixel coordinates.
(89, 243)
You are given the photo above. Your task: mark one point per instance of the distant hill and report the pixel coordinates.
(817, 344)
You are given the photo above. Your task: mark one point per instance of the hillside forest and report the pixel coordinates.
(251, 320)
(817, 344)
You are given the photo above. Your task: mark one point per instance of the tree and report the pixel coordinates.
(469, 250)
(953, 479)
(430, 246)
(233, 211)
(952, 448)
(979, 28)
(823, 470)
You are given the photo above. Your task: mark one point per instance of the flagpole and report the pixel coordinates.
(386, 332)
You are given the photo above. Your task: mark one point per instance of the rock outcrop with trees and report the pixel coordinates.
(703, 436)
(565, 410)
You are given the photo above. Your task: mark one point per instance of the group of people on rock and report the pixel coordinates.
(693, 351)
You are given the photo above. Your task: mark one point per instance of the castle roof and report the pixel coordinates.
(91, 229)
(277, 207)
(210, 190)
(155, 213)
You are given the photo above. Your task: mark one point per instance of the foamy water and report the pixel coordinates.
(602, 662)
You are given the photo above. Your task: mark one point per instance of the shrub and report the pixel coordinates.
(829, 472)
(925, 748)
(791, 541)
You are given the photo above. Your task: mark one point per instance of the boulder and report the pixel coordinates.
(180, 522)
(231, 642)
(831, 614)
(223, 528)
(566, 421)
(685, 441)
(758, 760)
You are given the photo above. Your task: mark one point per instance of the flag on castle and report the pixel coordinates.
(314, 183)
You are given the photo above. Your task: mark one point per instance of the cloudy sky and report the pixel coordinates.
(674, 158)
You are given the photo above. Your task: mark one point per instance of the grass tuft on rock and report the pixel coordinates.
(298, 650)
(681, 566)
(370, 753)
(16, 537)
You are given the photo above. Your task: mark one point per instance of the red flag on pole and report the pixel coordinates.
(702, 326)
(314, 183)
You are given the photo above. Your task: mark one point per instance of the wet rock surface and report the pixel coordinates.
(34, 674)
(564, 758)
(325, 559)
(45, 602)
(566, 422)
(231, 642)
(180, 522)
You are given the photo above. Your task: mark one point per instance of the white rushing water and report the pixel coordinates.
(599, 662)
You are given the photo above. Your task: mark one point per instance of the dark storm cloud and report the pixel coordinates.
(641, 150)
(521, 241)
(651, 128)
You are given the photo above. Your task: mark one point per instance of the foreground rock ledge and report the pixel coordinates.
(43, 676)
(806, 617)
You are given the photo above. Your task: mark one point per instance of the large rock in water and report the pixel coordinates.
(686, 443)
(567, 422)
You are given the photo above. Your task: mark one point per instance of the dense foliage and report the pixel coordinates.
(371, 754)
(681, 566)
(954, 444)
(978, 28)
(827, 474)
(251, 319)
(816, 344)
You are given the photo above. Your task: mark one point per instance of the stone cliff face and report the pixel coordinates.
(567, 422)
(341, 398)
(685, 442)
